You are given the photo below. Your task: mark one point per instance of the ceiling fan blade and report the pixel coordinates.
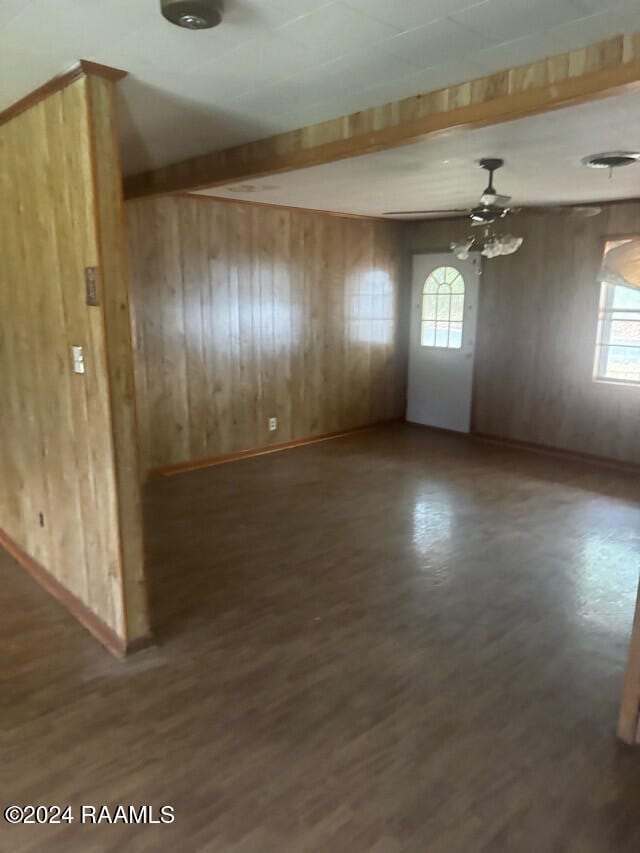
(584, 211)
(493, 199)
(434, 212)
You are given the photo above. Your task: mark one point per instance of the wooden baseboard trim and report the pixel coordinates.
(211, 461)
(548, 450)
(545, 449)
(140, 644)
(441, 430)
(81, 69)
(100, 630)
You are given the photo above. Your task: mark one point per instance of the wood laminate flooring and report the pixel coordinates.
(394, 641)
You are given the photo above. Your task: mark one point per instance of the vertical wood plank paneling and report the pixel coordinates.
(127, 580)
(172, 389)
(72, 553)
(62, 443)
(297, 340)
(193, 272)
(358, 306)
(289, 314)
(218, 338)
(249, 378)
(390, 380)
(283, 275)
(262, 313)
(537, 331)
(141, 346)
(333, 325)
(317, 285)
(308, 374)
(24, 495)
(48, 245)
(238, 431)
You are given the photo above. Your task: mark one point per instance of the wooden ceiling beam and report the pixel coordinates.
(607, 68)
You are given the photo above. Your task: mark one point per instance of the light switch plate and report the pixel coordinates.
(78, 359)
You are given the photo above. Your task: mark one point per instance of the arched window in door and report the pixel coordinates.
(442, 309)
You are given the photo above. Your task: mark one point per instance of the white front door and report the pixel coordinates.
(444, 310)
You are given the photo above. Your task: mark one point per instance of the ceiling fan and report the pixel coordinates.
(493, 205)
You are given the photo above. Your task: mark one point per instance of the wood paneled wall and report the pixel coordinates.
(536, 335)
(248, 312)
(60, 451)
(114, 264)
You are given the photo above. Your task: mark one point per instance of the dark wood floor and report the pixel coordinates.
(396, 641)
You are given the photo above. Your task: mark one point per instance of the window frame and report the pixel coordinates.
(436, 295)
(604, 320)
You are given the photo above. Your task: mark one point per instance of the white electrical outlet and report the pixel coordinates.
(273, 424)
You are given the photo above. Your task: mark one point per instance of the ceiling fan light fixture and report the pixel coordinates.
(461, 250)
(510, 244)
(192, 14)
(493, 246)
(491, 249)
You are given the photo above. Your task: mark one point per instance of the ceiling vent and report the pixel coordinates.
(611, 159)
(193, 14)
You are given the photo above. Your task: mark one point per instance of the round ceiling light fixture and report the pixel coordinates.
(611, 159)
(193, 14)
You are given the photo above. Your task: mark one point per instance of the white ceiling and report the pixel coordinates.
(274, 65)
(543, 165)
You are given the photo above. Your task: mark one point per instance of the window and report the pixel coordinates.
(442, 309)
(618, 343)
